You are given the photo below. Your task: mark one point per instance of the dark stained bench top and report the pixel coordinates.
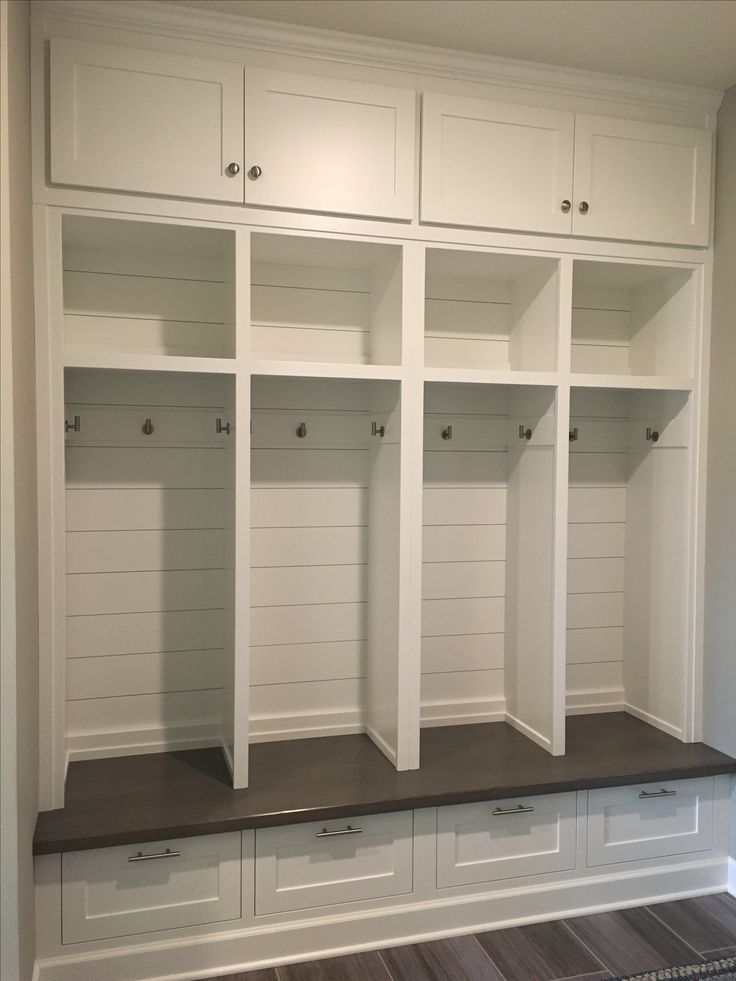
(168, 795)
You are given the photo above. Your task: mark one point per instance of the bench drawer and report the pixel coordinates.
(328, 862)
(159, 885)
(650, 820)
(505, 839)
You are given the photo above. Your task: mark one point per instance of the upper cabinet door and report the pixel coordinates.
(641, 181)
(324, 144)
(142, 121)
(496, 165)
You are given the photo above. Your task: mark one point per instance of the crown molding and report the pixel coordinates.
(151, 17)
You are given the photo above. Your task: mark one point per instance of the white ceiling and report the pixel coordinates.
(687, 41)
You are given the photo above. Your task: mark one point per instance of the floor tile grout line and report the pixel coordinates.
(674, 932)
(488, 955)
(387, 969)
(594, 954)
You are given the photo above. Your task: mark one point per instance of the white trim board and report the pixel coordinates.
(156, 18)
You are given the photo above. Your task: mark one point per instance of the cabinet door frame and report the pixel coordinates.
(619, 225)
(439, 207)
(66, 168)
(265, 191)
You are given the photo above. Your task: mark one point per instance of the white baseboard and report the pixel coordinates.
(462, 713)
(267, 945)
(653, 720)
(591, 702)
(522, 727)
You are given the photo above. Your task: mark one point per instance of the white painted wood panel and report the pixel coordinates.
(145, 121)
(278, 664)
(465, 652)
(105, 894)
(329, 145)
(143, 674)
(642, 181)
(295, 869)
(505, 839)
(495, 165)
(144, 551)
(144, 633)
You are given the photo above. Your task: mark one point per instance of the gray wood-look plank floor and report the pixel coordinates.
(586, 948)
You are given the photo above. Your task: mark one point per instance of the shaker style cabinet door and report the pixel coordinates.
(641, 181)
(147, 122)
(325, 144)
(496, 165)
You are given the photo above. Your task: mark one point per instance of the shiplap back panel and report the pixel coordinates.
(309, 557)
(464, 552)
(131, 295)
(596, 550)
(467, 322)
(148, 572)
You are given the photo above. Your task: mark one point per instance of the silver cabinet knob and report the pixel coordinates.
(233, 169)
(565, 206)
(255, 172)
(583, 207)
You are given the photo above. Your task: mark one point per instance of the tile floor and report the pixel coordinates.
(587, 948)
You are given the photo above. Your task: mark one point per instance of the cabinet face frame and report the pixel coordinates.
(138, 173)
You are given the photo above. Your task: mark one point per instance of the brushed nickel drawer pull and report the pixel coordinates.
(645, 795)
(140, 857)
(502, 811)
(324, 833)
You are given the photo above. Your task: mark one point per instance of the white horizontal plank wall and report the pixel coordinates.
(596, 550)
(148, 573)
(140, 288)
(309, 554)
(464, 553)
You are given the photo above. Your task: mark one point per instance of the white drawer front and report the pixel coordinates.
(505, 838)
(333, 862)
(650, 820)
(105, 894)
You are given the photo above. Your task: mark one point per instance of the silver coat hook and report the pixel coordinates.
(301, 430)
(447, 432)
(574, 435)
(223, 427)
(147, 427)
(524, 433)
(73, 427)
(377, 430)
(652, 434)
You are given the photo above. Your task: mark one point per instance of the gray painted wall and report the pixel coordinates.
(719, 715)
(19, 589)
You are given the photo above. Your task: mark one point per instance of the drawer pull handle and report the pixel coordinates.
(141, 857)
(502, 811)
(324, 833)
(645, 795)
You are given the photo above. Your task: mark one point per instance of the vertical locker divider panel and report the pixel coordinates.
(658, 522)
(48, 291)
(562, 502)
(383, 581)
(239, 733)
(529, 660)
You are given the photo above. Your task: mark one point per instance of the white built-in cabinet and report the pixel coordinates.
(500, 165)
(317, 476)
(322, 485)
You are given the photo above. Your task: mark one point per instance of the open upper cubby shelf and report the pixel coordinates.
(633, 319)
(489, 310)
(146, 288)
(325, 300)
